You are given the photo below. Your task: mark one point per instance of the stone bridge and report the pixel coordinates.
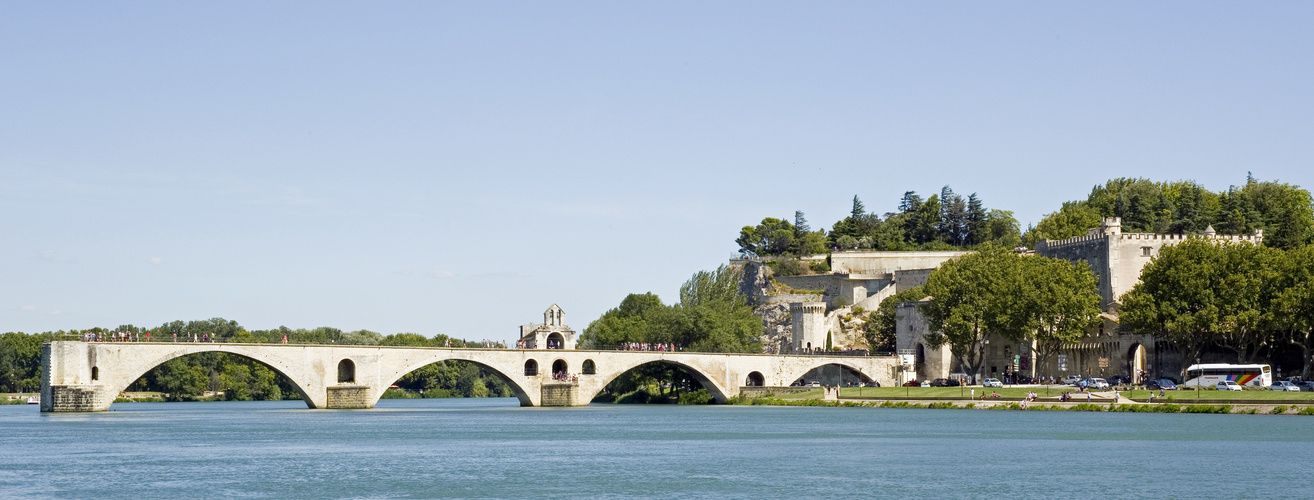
(81, 376)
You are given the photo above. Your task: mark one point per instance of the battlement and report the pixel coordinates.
(1100, 234)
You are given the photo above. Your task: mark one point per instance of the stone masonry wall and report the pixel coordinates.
(345, 397)
(76, 398)
(560, 395)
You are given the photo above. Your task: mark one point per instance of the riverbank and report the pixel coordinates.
(1015, 399)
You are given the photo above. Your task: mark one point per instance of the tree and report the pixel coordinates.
(1293, 307)
(1073, 219)
(858, 209)
(974, 296)
(1060, 301)
(880, 329)
(771, 237)
(1283, 211)
(1200, 292)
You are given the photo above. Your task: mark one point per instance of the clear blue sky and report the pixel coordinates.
(457, 167)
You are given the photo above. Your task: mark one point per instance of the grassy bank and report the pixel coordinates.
(1021, 392)
(1011, 405)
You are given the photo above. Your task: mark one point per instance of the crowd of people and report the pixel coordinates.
(646, 346)
(116, 336)
(564, 377)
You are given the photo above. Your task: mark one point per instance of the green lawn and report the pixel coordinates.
(1190, 395)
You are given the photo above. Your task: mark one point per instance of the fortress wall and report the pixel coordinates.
(885, 262)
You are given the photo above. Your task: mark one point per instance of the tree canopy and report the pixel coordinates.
(1283, 211)
(1049, 302)
(712, 316)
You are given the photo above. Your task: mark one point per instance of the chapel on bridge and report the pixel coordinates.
(551, 334)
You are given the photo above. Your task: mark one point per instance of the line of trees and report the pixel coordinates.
(239, 378)
(942, 221)
(1283, 211)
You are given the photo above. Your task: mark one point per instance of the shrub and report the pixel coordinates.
(1278, 410)
(698, 397)
(1308, 410)
(1207, 409)
(819, 266)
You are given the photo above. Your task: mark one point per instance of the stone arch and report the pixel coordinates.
(505, 372)
(131, 373)
(556, 341)
(95, 373)
(531, 368)
(715, 389)
(862, 376)
(755, 379)
(346, 371)
(560, 366)
(1136, 363)
(589, 367)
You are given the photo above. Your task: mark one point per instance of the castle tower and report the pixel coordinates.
(809, 325)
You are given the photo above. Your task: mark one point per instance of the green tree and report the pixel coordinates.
(771, 237)
(879, 331)
(1075, 218)
(1060, 301)
(1293, 307)
(1202, 291)
(974, 296)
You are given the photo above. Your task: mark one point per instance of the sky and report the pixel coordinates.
(457, 167)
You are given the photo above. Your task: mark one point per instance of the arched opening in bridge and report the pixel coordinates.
(559, 367)
(755, 379)
(556, 341)
(211, 376)
(453, 378)
(95, 373)
(661, 382)
(589, 367)
(833, 375)
(346, 371)
(531, 368)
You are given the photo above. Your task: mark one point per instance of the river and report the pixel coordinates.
(492, 448)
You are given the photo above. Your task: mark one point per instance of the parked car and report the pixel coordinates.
(1228, 385)
(814, 383)
(1119, 380)
(872, 384)
(1307, 386)
(1162, 384)
(940, 382)
(912, 383)
(1284, 386)
(992, 382)
(1097, 383)
(1070, 380)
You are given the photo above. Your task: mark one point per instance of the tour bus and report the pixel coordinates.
(1209, 374)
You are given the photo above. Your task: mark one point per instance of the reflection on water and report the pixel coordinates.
(493, 448)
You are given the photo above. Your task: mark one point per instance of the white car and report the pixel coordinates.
(992, 382)
(1283, 385)
(1228, 385)
(1097, 383)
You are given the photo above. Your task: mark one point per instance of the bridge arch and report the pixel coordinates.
(118, 381)
(504, 372)
(863, 376)
(703, 378)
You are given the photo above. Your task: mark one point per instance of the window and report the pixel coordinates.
(1145, 251)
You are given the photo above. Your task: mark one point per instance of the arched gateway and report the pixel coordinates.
(82, 376)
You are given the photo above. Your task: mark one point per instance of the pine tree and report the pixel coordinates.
(858, 209)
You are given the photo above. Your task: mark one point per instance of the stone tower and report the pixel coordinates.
(809, 322)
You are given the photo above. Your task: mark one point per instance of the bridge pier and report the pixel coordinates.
(350, 397)
(75, 398)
